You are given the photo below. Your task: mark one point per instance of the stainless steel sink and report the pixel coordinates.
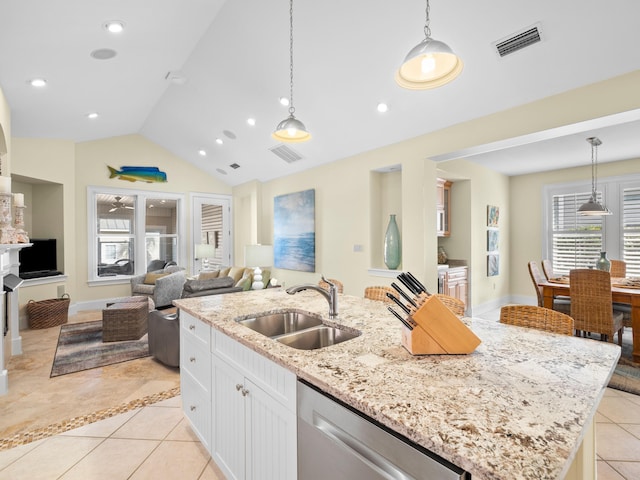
(275, 324)
(298, 330)
(317, 337)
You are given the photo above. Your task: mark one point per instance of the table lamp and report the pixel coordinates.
(204, 252)
(258, 256)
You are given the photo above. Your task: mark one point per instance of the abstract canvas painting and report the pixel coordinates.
(294, 231)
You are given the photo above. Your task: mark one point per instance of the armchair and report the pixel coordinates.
(162, 286)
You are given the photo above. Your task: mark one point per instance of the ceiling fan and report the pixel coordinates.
(117, 205)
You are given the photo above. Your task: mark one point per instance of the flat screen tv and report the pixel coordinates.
(39, 260)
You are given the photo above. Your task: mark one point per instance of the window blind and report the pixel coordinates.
(576, 239)
(631, 230)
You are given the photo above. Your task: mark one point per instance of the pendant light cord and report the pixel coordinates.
(594, 170)
(427, 21)
(291, 107)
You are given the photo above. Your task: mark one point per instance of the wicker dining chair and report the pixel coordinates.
(591, 304)
(452, 303)
(541, 318)
(380, 293)
(618, 269)
(337, 283)
(559, 304)
(547, 268)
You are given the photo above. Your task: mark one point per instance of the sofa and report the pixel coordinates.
(222, 280)
(162, 286)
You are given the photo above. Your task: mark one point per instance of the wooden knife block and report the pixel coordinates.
(438, 331)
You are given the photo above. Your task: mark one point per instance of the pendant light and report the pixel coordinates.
(593, 207)
(291, 129)
(430, 64)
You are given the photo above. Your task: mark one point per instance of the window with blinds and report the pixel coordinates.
(631, 230)
(576, 239)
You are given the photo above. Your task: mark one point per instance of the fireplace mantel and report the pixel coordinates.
(9, 263)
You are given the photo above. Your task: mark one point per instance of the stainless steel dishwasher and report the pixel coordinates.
(336, 442)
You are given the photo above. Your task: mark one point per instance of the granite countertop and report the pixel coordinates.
(515, 408)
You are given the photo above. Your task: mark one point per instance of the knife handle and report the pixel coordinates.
(399, 303)
(407, 283)
(404, 295)
(418, 283)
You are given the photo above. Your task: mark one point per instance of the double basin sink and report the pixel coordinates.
(298, 330)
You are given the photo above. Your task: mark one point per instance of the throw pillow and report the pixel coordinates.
(210, 284)
(245, 282)
(150, 278)
(266, 276)
(208, 275)
(236, 273)
(224, 272)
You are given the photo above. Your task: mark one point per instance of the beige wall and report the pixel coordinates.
(526, 215)
(344, 212)
(343, 189)
(77, 166)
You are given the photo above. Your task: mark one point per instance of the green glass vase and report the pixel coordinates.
(603, 262)
(392, 246)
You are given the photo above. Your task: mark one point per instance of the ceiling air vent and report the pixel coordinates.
(286, 153)
(518, 40)
(235, 166)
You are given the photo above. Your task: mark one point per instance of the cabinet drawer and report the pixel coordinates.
(456, 274)
(274, 379)
(194, 328)
(196, 360)
(196, 405)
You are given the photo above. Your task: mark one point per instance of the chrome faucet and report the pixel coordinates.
(331, 295)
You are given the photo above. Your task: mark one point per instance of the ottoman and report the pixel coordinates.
(124, 321)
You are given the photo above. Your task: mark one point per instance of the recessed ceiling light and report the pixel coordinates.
(251, 121)
(92, 115)
(103, 54)
(37, 82)
(284, 101)
(114, 26)
(221, 171)
(383, 107)
(202, 153)
(219, 141)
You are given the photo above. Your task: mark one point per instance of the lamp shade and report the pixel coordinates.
(592, 207)
(205, 250)
(258, 255)
(291, 130)
(430, 64)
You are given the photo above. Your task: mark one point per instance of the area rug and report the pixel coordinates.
(80, 347)
(627, 374)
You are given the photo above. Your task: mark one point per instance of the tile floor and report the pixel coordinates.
(155, 442)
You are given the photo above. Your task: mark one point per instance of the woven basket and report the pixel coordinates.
(48, 313)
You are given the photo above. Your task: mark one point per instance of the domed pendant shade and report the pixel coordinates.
(430, 64)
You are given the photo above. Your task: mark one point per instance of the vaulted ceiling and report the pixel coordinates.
(189, 72)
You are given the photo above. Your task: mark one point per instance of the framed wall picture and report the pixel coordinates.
(493, 264)
(493, 236)
(493, 215)
(294, 231)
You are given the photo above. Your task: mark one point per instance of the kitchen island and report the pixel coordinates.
(518, 407)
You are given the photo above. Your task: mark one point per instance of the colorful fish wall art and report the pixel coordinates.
(138, 174)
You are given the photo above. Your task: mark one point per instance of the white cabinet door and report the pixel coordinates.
(271, 439)
(228, 422)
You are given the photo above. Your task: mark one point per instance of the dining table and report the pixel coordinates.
(623, 290)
